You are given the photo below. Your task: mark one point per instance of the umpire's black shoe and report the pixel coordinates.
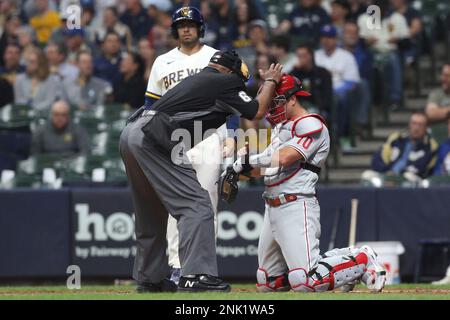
(202, 282)
(164, 286)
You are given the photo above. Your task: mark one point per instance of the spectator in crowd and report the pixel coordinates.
(244, 12)
(7, 9)
(136, 18)
(45, 21)
(340, 10)
(305, 21)
(111, 23)
(75, 42)
(26, 41)
(384, 42)
(316, 80)
(364, 59)
(60, 136)
(438, 106)
(262, 62)
(443, 162)
(412, 15)
(258, 31)
(9, 34)
(7, 92)
(345, 75)
(357, 8)
(36, 87)
(87, 91)
(130, 90)
(106, 66)
(279, 49)
(212, 31)
(413, 152)
(88, 23)
(162, 5)
(12, 65)
(147, 54)
(222, 15)
(256, 44)
(409, 47)
(57, 56)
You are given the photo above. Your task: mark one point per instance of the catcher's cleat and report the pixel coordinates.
(201, 283)
(375, 276)
(163, 286)
(274, 284)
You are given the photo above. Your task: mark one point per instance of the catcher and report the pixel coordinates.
(288, 250)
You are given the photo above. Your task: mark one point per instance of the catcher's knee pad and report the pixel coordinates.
(299, 280)
(271, 284)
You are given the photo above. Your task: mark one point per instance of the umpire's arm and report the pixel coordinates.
(265, 95)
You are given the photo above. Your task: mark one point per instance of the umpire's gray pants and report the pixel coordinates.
(159, 187)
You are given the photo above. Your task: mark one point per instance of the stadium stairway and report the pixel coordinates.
(352, 163)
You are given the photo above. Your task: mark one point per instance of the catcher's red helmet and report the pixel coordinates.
(288, 86)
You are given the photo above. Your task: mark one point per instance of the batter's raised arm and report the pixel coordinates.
(271, 78)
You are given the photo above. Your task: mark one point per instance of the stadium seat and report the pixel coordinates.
(439, 132)
(23, 180)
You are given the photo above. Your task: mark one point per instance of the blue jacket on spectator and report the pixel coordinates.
(139, 25)
(107, 70)
(365, 61)
(420, 159)
(307, 22)
(443, 154)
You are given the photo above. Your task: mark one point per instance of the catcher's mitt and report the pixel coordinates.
(228, 187)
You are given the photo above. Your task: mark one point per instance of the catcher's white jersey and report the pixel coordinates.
(170, 68)
(309, 136)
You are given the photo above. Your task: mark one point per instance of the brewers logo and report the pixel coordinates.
(186, 12)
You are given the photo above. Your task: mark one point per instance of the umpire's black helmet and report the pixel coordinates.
(190, 14)
(232, 61)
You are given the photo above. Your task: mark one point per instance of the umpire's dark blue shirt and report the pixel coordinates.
(208, 96)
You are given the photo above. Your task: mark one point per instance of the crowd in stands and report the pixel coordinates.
(46, 62)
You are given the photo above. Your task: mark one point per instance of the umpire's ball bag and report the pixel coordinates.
(158, 130)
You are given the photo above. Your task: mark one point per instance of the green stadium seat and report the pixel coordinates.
(439, 132)
(439, 181)
(23, 180)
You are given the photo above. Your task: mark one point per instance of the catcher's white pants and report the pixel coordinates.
(290, 236)
(206, 160)
(289, 244)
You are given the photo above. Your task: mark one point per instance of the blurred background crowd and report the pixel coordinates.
(382, 84)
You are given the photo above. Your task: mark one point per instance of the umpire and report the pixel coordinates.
(161, 183)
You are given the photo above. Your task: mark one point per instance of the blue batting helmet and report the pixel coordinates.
(189, 14)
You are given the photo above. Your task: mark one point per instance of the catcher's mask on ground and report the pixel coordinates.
(288, 87)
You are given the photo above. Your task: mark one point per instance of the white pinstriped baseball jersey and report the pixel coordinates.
(309, 136)
(170, 68)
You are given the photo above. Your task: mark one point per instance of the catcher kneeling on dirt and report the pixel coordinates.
(288, 251)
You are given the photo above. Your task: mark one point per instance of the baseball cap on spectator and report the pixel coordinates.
(258, 23)
(328, 31)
